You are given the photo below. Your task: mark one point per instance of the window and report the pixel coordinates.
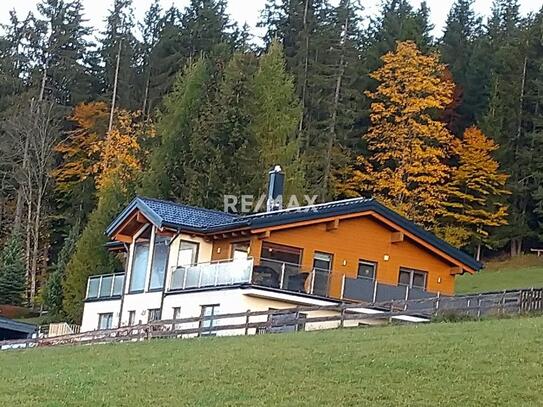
(153, 315)
(366, 269)
(139, 267)
(208, 322)
(105, 321)
(412, 278)
(240, 250)
(188, 253)
(158, 264)
(322, 265)
(131, 318)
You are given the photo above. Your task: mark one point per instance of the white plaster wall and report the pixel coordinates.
(91, 311)
(230, 302)
(140, 303)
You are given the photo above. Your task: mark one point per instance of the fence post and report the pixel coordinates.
(391, 311)
(247, 316)
(479, 306)
(342, 316)
(437, 303)
(201, 322)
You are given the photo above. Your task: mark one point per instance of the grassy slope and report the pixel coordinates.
(521, 272)
(496, 362)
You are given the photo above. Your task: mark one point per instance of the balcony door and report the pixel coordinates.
(186, 276)
(322, 266)
(279, 267)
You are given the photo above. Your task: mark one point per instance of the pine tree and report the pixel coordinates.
(52, 293)
(275, 115)
(12, 272)
(166, 175)
(118, 39)
(462, 31)
(407, 165)
(63, 75)
(476, 191)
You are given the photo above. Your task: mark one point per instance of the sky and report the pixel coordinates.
(248, 11)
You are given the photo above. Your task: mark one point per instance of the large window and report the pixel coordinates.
(366, 269)
(412, 278)
(158, 264)
(105, 321)
(188, 253)
(322, 266)
(139, 267)
(207, 324)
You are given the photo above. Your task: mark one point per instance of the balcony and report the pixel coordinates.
(105, 286)
(266, 272)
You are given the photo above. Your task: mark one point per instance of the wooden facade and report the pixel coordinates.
(364, 237)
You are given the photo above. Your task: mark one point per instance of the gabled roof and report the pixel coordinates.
(193, 219)
(171, 214)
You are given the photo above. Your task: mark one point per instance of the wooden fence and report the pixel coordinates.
(306, 318)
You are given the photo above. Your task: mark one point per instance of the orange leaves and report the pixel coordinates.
(407, 166)
(121, 152)
(79, 149)
(91, 151)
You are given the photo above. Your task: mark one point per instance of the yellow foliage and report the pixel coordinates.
(407, 165)
(78, 149)
(121, 152)
(91, 151)
(476, 186)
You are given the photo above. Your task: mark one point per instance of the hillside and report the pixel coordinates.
(520, 272)
(494, 362)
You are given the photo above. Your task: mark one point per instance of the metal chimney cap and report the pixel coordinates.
(277, 168)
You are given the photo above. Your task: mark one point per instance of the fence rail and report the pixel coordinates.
(306, 318)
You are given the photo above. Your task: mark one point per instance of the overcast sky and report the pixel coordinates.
(247, 11)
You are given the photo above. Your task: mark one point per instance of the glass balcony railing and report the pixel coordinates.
(212, 274)
(105, 286)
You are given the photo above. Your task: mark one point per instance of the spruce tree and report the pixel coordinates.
(12, 271)
(118, 40)
(166, 175)
(275, 113)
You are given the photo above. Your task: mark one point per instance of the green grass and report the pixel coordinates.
(519, 272)
(494, 362)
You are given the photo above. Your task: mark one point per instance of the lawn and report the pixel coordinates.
(520, 272)
(495, 362)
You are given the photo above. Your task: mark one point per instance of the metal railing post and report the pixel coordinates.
(313, 281)
(282, 275)
(99, 288)
(342, 286)
(184, 277)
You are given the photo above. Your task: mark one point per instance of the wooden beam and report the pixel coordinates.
(333, 225)
(397, 237)
(123, 238)
(141, 218)
(455, 270)
(264, 235)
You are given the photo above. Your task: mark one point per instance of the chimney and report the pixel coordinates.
(276, 181)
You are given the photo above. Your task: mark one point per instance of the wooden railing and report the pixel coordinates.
(307, 318)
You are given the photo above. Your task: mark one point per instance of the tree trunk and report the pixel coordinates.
(115, 82)
(516, 246)
(478, 256)
(303, 80)
(333, 123)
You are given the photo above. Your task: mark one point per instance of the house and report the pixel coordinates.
(183, 261)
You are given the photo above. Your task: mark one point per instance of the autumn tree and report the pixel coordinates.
(123, 154)
(80, 153)
(408, 148)
(475, 191)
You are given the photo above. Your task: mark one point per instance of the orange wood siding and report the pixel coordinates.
(362, 238)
